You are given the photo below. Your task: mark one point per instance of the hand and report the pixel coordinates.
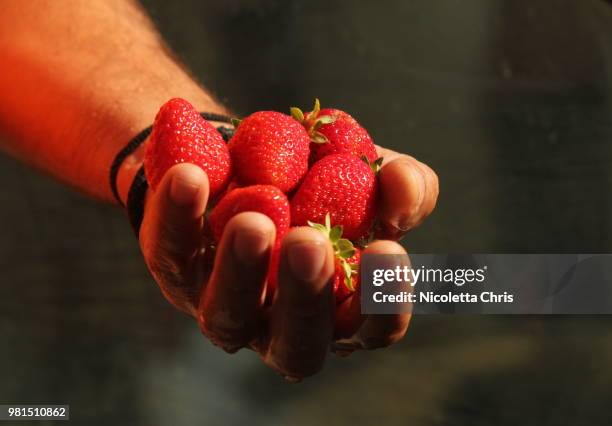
(295, 333)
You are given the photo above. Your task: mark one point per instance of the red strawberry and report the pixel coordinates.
(272, 279)
(228, 188)
(181, 135)
(343, 186)
(270, 148)
(347, 258)
(345, 285)
(335, 132)
(265, 199)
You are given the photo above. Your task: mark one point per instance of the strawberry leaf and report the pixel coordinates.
(319, 227)
(377, 164)
(348, 272)
(343, 248)
(316, 108)
(345, 245)
(326, 119)
(346, 254)
(297, 114)
(318, 138)
(236, 122)
(335, 233)
(320, 121)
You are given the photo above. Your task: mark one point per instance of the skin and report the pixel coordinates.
(79, 84)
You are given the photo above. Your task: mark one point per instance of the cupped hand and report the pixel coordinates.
(225, 292)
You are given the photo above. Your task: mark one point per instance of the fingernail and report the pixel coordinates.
(306, 260)
(404, 223)
(292, 379)
(250, 245)
(342, 350)
(183, 188)
(342, 353)
(339, 347)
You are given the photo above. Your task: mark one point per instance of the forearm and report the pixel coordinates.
(78, 82)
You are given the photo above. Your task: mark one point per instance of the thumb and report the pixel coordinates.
(171, 233)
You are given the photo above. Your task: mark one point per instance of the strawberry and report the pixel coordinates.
(181, 135)
(228, 188)
(345, 284)
(335, 132)
(270, 148)
(265, 199)
(347, 257)
(343, 186)
(274, 266)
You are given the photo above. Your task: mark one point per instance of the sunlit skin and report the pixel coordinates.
(77, 83)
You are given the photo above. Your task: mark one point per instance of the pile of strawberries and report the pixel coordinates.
(317, 168)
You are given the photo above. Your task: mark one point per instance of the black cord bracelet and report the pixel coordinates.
(138, 189)
(136, 200)
(120, 158)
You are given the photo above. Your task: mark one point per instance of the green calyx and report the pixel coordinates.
(376, 165)
(314, 121)
(297, 114)
(236, 122)
(343, 248)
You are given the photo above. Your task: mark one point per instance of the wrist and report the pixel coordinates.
(127, 171)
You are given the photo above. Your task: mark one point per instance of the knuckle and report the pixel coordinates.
(166, 271)
(228, 334)
(173, 283)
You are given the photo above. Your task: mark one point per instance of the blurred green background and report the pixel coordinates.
(509, 101)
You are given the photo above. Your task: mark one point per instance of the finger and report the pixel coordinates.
(230, 309)
(377, 330)
(387, 154)
(301, 326)
(409, 191)
(170, 234)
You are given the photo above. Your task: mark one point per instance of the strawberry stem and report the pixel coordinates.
(236, 122)
(312, 121)
(343, 248)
